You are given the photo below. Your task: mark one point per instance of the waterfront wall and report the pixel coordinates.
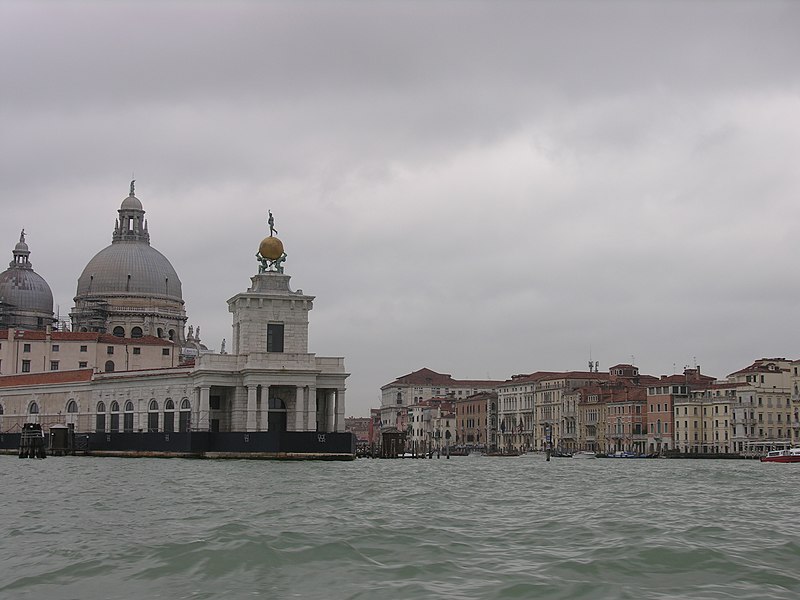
(262, 444)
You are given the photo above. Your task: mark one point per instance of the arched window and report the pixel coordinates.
(169, 415)
(171, 335)
(119, 331)
(185, 415)
(100, 418)
(115, 417)
(152, 416)
(136, 332)
(33, 409)
(128, 417)
(109, 366)
(72, 406)
(1, 409)
(160, 332)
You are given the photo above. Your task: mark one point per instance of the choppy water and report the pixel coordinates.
(89, 528)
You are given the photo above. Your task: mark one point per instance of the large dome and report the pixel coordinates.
(129, 268)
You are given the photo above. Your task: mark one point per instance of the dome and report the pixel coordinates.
(26, 290)
(131, 203)
(271, 248)
(130, 268)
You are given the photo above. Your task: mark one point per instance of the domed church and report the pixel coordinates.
(26, 301)
(130, 289)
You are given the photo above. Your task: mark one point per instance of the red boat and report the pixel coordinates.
(792, 455)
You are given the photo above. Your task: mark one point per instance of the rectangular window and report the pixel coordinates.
(137, 350)
(55, 347)
(165, 351)
(83, 364)
(84, 348)
(26, 366)
(110, 349)
(275, 337)
(26, 347)
(54, 365)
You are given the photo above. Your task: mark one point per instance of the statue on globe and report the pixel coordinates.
(270, 253)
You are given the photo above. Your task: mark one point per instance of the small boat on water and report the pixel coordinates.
(584, 454)
(790, 455)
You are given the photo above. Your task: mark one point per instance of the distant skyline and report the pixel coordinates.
(481, 188)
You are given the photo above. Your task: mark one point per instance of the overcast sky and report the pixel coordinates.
(482, 188)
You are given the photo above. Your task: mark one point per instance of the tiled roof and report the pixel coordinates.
(86, 336)
(51, 377)
(763, 366)
(432, 378)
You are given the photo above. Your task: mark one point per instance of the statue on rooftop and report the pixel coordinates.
(22, 236)
(132, 182)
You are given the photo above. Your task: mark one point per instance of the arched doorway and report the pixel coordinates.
(184, 418)
(276, 419)
(128, 417)
(169, 416)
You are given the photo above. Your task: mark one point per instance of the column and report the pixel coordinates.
(251, 408)
(203, 422)
(311, 409)
(264, 408)
(299, 408)
(339, 422)
(330, 406)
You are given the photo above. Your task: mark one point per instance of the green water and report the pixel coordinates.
(89, 528)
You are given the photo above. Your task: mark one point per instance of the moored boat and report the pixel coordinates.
(790, 455)
(584, 454)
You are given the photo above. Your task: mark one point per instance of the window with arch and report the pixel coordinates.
(172, 335)
(72, 406)
(136, 332)
(169, 415)
(100, 417)
(128, 417)
(115, 417)
(109, 366)
(118, 331)
(152, 416)
(184, 417)
(33, 409)
(160, 332)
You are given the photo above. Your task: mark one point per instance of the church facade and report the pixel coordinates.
(270, 397)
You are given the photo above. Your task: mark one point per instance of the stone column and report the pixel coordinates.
(265, 408)
(339, 419)
(330, 410)
(203, 421)
(251, 408)
(299, 408)
(311, 409)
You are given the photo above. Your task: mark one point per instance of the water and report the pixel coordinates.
(109, 528)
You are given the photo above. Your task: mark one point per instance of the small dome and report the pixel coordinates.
(21, 247)
(26, 290)
(271, 248)
(131, 203)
